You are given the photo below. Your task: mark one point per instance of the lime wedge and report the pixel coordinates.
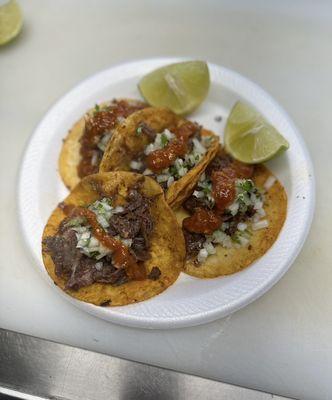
(10, 21)
(250, 138)
(180, 87)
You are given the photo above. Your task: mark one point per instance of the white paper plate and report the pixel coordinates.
(189, 301)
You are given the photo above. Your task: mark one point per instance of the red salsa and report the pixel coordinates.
(202, 221)
(223, 177)
(100, 122)
(163, 158)
(121, 255)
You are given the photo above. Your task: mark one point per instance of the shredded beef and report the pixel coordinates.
(218, 163)
(151, 133)
(154, 274)
(139, 249)
(192, 203)
(194, 243)
(135, 223)
(126, 225)
(79, 269)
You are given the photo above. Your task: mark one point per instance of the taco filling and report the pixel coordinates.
(99, 126)
(171, 154)
(225, 208)
(103, 243)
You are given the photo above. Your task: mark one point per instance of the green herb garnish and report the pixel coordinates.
(97, 109)
(76, 221)
(164, 140)
(247, 185)
(173, 170)
(139, 131)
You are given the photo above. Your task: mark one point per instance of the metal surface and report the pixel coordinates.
(32, 368)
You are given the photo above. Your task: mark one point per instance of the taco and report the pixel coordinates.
(157, 143)
(113, 241)
(232, 218)
(85, 143)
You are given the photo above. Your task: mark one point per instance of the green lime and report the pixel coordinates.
(180, 87)
(250, 138)
(10, 21)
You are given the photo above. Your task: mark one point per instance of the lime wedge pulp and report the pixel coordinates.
(180, 87)
(250, 138)
(10, 21)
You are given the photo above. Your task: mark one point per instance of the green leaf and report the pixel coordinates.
(97, 108)
(139, 131)
(164, 140)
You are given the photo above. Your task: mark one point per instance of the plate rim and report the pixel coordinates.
(202, 317)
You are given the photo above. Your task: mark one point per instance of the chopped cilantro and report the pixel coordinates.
(139, 131)
(97, 108)
(76, 221)
(173, 170)
(246, 185)
(164, 140)
(236, 239)
(207, 190)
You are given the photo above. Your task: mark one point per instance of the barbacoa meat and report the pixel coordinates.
(194, 243)
(79, 269)
(135, 223)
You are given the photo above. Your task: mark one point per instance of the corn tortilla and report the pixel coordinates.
(125, 145)
(167, 248)
(70, 156)
(228, 261)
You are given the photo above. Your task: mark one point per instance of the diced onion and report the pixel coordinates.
(85, 235)
(103, 221)
(94, 158)
(234, 208)
(147, 171)
(242, 226)
(209, 248)
(99, 266)
(202, 255)
(137, 165)
(127, 242)
(168, 134)
(260, 225)
(199, 194)
(269, 182)
(93, 242)
(149, 149)
(162, 178)
(170, 181)
(198, 146)
(120, 119)
(182, 171)
(261, 212)
(243, 241)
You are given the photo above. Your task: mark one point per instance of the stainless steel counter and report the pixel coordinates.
(32, 368)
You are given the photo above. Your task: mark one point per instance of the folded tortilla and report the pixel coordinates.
(126, 145)
(70, 156)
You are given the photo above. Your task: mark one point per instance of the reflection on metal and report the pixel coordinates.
(31, 367)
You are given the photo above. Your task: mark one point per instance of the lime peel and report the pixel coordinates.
(10, 21)
(250, 138)
(180, 87)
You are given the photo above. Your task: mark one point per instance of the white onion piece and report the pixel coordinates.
(260, 225)
(269, 182)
